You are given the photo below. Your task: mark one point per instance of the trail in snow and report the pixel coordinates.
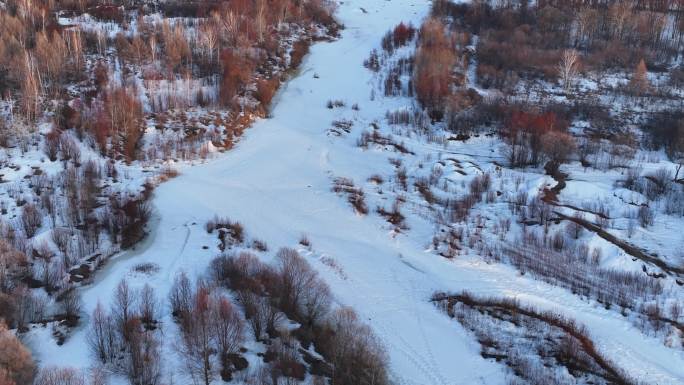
(277, 183)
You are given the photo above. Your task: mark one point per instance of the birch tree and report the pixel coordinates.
(567, 68)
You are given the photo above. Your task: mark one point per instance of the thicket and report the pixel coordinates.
(518, 39)
(126, 339)
(291, 290)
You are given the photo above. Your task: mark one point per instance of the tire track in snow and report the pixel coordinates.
(428, 347)
(429, 367)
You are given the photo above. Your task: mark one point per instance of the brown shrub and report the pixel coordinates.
(15, 359)
(354, 351)
(299, 50)
(355, 196)
(31, 219)
(237, 71)
(266, 89)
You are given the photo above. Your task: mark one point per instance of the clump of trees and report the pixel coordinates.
(237, 63)
(291, 289)
(434, 64)
(37, 58)
(126, 339)
(210, 326)
(398, 37)
(535, 137)
(119, 124)
(519, 40)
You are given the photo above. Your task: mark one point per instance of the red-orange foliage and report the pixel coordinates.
(266, 89)
(299, 50)
(434, 63)
(402, 34)
(535, 123)
(121, 119)
(528, 129)
(237, 71)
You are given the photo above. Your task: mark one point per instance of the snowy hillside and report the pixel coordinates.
(338, 174)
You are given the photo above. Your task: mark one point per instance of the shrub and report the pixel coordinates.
(51, 144)
(355, 196)
(132, 215)
(299, 50)
(563, 351)
(16, 363)
(31, 219)
(356, 354)
(180, 295)
(266, 89)
(259, 245)
(304, 241)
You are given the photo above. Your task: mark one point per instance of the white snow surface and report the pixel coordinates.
(277, 183)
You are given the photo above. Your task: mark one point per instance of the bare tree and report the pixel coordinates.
(260, 20)
(567, 68)
(147, 306)
(209, 39)
(26, 305)
(98, 376)
(356, 354)
(10, 260)
(261, 315)
(123, 307)
(297, 277)
(196, 344)
(31, 87)
(59, 376)
(586, 24)
(675, 310)
(619, 14)
(227, 327)
(44, 255)
(71, 305)
(229, 24)
(677, 149)
(61, 237)
(180, 295)
(101, 335)
(316, 304)
(557, 146)
(144, 361)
